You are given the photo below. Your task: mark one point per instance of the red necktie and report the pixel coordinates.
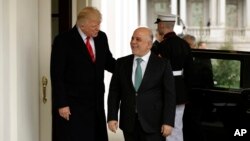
(90, 49)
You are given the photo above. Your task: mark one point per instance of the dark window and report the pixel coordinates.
(61, 16)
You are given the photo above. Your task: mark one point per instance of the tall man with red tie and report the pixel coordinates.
(78, 60)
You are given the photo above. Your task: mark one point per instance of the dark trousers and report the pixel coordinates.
(140, 135)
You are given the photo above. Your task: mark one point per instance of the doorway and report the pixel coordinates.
(54, 18)
(61, 14)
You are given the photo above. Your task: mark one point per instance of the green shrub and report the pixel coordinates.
(226, 72)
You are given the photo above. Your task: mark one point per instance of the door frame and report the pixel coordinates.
(44, 43)
(45, 34)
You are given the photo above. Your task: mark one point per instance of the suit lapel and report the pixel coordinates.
(126, 72)
(147, 75)
(149, 71)
(129, 71)
(81, 44)
(97, 50)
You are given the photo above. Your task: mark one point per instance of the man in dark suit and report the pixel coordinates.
(142, 87)
(178, 52)
(78, 60)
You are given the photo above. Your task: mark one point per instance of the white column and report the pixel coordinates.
(174, 7)
(119, 22)
(183, 10)
(222, 13)
(8, 82)
(247, 18)
(19, 70)
(95, 3)
(143, 13)
(27, 67)
(2, 74)
(213, 12)
(179, 28)
(218, 20)
(11, 57)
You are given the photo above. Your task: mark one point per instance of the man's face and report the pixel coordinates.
(203, 46)
(160, 28)
(140, 42)
(91, 27)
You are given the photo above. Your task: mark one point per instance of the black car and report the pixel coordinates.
(226, 103)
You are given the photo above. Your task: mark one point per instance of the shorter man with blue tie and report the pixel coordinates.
(142, 88)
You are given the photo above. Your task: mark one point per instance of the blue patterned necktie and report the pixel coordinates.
(138, 74)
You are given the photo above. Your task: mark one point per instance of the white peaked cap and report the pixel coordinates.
(166, 18)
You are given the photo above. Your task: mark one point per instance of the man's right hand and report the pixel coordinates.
(113, 125)
(166, 130)
(65, 112)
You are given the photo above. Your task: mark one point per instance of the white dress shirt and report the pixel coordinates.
(144, 63)
(84, 38)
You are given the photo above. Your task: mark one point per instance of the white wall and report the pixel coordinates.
(19, 70)
(1, 70)
(3, 73)
(120, 18)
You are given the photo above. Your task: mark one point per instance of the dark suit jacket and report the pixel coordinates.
(155, 100)
(76, 80)
(178, 52)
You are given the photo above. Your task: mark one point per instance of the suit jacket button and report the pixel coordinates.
(136, 94)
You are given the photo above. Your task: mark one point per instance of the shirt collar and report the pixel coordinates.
(144, 58)
(84, 36)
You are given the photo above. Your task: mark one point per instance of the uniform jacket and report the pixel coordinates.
(178, 52)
